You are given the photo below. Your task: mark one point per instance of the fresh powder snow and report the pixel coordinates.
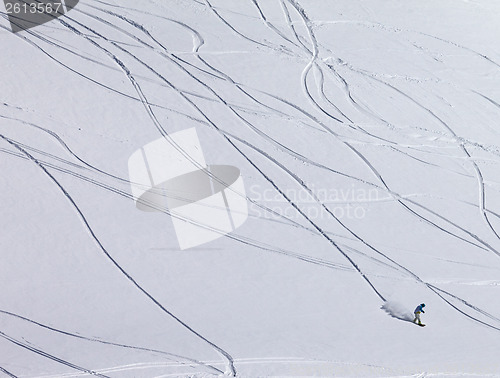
(249, 188)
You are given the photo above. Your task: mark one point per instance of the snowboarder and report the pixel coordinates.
(418, 310)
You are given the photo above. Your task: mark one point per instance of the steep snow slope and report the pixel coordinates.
(367, 136)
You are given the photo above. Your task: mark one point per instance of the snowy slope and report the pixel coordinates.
(367, 136)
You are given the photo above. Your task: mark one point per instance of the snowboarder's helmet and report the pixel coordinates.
(423, 305)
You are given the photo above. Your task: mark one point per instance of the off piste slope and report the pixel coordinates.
(367, 136)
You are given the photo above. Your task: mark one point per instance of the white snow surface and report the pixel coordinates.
(367, 133)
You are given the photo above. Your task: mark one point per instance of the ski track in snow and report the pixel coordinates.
(324, 115)
(185, 361)
(7, 373)
(49, 356)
